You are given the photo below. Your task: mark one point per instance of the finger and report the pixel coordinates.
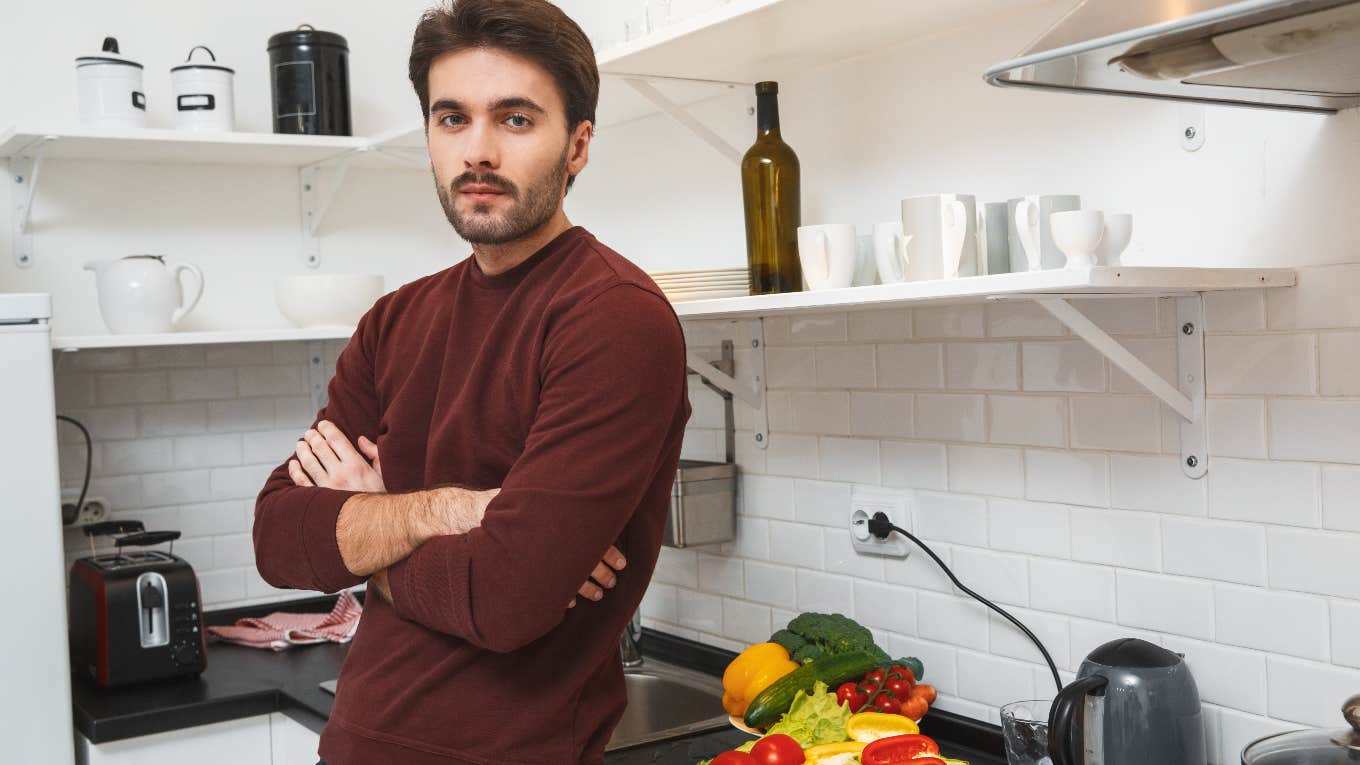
(604, 575)
(309, 462)
(322, 450)
(590, 590)
(337, 440)
(572, 604)
(368, 449)
(615, 558)
(299, 476)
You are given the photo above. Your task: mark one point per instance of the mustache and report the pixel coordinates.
(503, 185)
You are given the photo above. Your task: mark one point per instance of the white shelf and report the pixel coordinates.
(81, 342)
(176, 146)
(1123, 280)
(753, 40)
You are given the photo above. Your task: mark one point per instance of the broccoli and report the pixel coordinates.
(813, 636)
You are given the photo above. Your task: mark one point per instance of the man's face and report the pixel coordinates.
(498, 144)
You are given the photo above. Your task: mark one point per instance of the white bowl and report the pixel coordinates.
(327, 300)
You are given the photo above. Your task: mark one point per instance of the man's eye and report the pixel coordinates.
(450, 120)
(518, 120)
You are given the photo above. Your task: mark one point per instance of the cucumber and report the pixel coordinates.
(766, 708)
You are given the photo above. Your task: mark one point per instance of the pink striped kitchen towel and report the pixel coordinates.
(281, 630)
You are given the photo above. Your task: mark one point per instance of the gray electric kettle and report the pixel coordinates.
(1133, 703)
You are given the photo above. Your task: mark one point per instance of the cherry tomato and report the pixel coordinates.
(737, 758)
(900, 689)
(915, 707)
(868, 688)
(874, 677)
(777, 749)
(896, 750)
(888, 705)
(926, 692)
(898, 670)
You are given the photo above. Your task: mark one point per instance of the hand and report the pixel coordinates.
(603, 577)
(325, 458)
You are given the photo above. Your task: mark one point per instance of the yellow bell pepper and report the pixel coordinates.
(871, 726)
(832, 754)
(754, 670)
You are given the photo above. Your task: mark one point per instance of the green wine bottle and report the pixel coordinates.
(769, 188)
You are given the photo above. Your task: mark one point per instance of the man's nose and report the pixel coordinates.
(482, 148)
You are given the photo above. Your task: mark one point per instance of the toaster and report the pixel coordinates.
(135, 615)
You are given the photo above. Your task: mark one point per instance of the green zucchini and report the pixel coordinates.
(766, 708)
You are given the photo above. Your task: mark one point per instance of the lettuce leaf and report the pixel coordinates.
(814, 719)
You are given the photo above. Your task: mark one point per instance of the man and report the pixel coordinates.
(528, 405)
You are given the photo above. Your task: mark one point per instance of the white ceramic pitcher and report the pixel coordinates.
(141, 294)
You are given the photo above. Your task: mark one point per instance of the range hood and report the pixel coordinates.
(1283, 54)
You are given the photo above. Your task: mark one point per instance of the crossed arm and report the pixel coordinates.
(371, 536)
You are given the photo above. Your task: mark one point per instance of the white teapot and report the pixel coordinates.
(141, 294)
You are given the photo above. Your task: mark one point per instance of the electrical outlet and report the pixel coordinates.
(95, 509)
(863, 505)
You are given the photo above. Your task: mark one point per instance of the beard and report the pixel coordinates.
(529, 210)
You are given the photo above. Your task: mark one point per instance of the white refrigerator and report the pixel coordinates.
(35, 709)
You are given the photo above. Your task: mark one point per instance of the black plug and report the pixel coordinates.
(880, 526)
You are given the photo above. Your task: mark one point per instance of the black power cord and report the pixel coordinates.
(882, 527)
(89, 460)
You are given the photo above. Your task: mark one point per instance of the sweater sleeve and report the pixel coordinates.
(294, 532)
(613, 388)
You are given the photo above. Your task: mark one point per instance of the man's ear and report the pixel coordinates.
(578, 156)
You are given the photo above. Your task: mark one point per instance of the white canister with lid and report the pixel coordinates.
(110, 89)
(203, 93)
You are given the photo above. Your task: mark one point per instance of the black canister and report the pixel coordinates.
(309, 81)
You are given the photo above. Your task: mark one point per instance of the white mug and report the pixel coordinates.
(1118, 232)
(866, 267)
(942, 229)
(1031, 242)
(828, 253)
(890, 252)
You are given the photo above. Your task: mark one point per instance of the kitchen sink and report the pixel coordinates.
(665, 702)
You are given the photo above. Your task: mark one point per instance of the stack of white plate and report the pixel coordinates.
(710, 284)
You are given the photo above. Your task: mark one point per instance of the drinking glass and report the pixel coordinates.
(1024, 726)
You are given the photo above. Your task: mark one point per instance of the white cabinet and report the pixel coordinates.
(293, 742)
(236, 742)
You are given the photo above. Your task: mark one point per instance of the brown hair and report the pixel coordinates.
(534, 29)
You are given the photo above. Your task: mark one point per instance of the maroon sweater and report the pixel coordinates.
(561, 381)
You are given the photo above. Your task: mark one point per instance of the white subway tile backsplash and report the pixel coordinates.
(797, 544)
(212, 518)
(201, 385)
(771, 584)
(74, 391)
(1279, 622)
(1340, 363)
(820, 411)
(824, 593)
(1235, 311)
(1345, 621)
(1341, 497)
(842, 558)
(660, 602)
(1116, 423)
(1307, 692)
(113, 388)
(1324, 562)
(105, 424)
(222, 586)
(822, 503)
(1317, 429)
(241, 354)
(954, 620)
(1076, 589)
(169, 356)
(1322, 298)
(178, 487)
(823, 328)
(101, 359)
(1228, 552)
(1237, 427)
(218, 450)
(951, 518)
(1121, 317)
(792, 455)
(699, 610)
(1117, 538)
(1028, 527)
(753, 538)
(1166, 604)
(937, 660)
(853, 460)
(1256, 364)
(948, 321)
(722, 575)
(951, 417)
(1006, 318)
(294, 412)
(1077, 478)
(912, 465)
(999, 577)
(138, 456)
(880, 325)
(199, 553)
(288, 380)
(767, 496)
(1028, 420)
(982, 366)
(998, 472)
(241, 415)
(745, 621)
(263, 446)
(232, 551)
(1155, 484)
(791, 367)
(994, 681)
(919, 571)
(1264, 492)
(123, 492)
(242, 482)
(885, 606)
(1228, 676)
(887, 415)
(1063, 365)
(1052, 631)
(845, 366)
(678, 567)
(915, 366)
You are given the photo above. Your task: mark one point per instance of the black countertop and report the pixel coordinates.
(245, 682)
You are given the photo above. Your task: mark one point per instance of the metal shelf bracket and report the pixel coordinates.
(679, 114)
(315, 205)
(722, 377)
(24, 170)
(1185, 396)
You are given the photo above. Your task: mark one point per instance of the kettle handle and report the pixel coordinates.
(1066, 720)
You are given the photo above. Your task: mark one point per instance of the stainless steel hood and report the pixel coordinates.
(1283, 54)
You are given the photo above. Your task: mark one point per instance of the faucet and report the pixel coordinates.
(628, 645)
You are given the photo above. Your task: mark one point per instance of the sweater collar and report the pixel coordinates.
(516, 275)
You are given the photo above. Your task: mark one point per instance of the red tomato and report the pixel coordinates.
(737, 758)
(899, 688)
(888, 705)
(874, 677)
(896, 750)
(926, 692)
(868, 688)
(777, 749)
(846, 692)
